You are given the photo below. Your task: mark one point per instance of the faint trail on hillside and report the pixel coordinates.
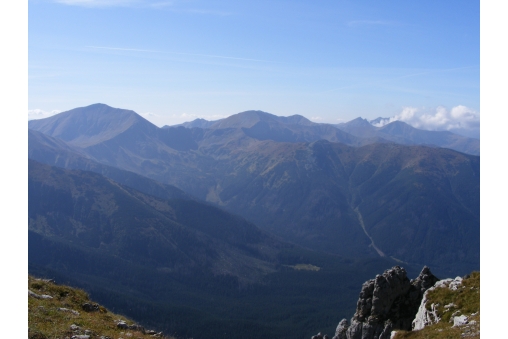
(360, 219)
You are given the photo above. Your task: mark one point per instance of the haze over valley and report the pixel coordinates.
(246, 199)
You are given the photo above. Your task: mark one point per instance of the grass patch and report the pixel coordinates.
(466, 300)
(53, 318)
(304, 267)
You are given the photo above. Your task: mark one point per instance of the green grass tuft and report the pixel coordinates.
(47, 320)
(466, 300)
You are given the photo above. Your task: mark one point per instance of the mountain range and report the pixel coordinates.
(262, 125)
(402, 133)
(364, 200)
(252, 203)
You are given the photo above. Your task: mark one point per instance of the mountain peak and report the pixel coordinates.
(358, 127)
(249, 118)
(95, 123)
(358, 122)
(397, 127)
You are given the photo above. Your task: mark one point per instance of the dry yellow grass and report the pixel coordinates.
(53, 318)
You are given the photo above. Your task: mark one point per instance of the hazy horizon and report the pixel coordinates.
(177, 61)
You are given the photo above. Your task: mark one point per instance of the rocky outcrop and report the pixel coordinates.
(388, 302)
(428, 315)
(340, 332)
(462, 315)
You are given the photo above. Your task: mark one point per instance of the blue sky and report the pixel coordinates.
(331, 61)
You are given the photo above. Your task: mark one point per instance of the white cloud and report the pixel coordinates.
(34, 114)
(149, 115)
(441, 119)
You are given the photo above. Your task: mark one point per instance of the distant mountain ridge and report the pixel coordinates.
(402, 133)
(365, 131)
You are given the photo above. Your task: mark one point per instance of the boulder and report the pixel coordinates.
(87, 307)
(123, 325)
(460, 321)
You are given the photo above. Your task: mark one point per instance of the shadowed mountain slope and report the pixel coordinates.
(418, 204)
(55, 152)
(188, 267)
(92, 211)
(409, 198)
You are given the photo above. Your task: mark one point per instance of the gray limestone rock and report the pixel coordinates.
(460, 321)
(388, 302)
(340, 332)
(455, 284)
(424, 316)
(39, 296)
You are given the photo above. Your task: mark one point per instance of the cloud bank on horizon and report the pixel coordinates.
(458, 119)
(34, 114)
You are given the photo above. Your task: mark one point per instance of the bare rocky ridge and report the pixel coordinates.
(386, 303)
